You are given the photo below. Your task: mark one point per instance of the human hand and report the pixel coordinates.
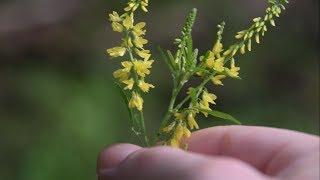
(222, 153)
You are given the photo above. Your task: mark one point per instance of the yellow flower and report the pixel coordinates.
(204, 106)
(139, 41)
(117, 27)
(128, 21)
(116, 51)
(179, 132)
(136, 101)
(218, 65)
(138, 29)
(144, 5)
(174, 143)
(217, 80)
(210, 62)
(123, 74)
(127, 65)
(208, 97)
(217, 48)
(179, 116)
(133, 5)
(142, 67)
(192, 122)
(186, 132)
(233, 71)
(114, 17)
(129, 83)
(145, 87)
(145, 54)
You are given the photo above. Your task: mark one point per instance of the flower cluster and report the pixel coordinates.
(137, 66)
(211, 67)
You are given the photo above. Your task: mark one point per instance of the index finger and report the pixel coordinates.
(268, 149)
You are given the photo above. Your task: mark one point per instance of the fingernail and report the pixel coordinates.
(106, 174)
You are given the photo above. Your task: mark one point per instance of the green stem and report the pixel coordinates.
(141, 122)
(199, 89)
(175, 92)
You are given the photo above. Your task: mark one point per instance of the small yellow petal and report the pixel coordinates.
(117, 27)
(129, 83)
(116, 51)
(142, 67)
(192, 122)
(217, 80)
(145, 87)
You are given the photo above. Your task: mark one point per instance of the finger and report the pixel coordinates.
(112, 156)
(172, 164)
(268, 149)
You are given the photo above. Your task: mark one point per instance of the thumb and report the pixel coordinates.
(113, 155)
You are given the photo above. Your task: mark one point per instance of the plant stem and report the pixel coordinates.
(199, 89)
(140, 116)
(176, 90)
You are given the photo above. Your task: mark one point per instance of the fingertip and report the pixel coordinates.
(110, 157)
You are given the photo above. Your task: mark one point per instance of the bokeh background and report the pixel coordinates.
(58, 104)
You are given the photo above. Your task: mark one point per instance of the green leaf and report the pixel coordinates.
(125, 99)
(221, 115)
(167, 60)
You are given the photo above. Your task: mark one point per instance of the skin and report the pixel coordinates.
(225, 152)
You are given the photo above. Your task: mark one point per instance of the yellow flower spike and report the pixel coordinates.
(192, 122)
(117, 27)
(179, 116)
(128, 22)
(116, 51)
(217, 80)
(145, 87)
(145, 54)
(129, 83)
(209, 97)
(233, 71)
(114, 17)
(218, 65)
(136, 101)
(142, 67)
(140, 41)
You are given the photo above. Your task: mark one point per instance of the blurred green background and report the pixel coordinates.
(58, 104)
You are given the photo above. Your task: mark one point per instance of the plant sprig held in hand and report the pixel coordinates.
(212, 67)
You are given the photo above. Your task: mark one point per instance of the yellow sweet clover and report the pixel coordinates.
(213, 67)
(133, 75)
